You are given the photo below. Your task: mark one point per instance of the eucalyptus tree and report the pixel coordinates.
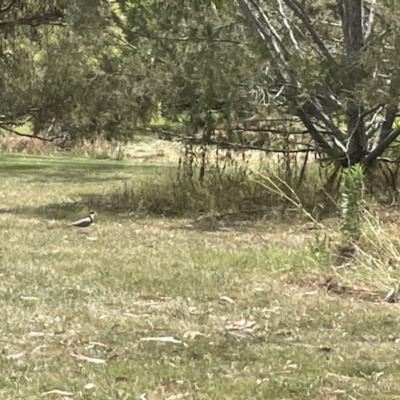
(334, 65)
(330, 64)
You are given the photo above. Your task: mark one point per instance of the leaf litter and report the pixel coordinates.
(91, 360)
(58, 392)
(163, 339)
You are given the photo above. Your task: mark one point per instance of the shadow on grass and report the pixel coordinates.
(34, 169)
(77, 178)
(15, 164)
(18, 162)
(68, 211)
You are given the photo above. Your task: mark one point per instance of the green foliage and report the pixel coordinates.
(201, 72)
(88, 69)
(75, 79)
(351, 200)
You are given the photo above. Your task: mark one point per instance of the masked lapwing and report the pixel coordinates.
(84, 222)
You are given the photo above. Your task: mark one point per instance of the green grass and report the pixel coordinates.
(65, 295)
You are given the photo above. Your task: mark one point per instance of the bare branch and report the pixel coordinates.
(299, 11)
(251, 19)
(369, 24)
(371, 129)
(332, 97)
(314, 133)
(262, 25)
(13, 131)
(186, 39)
(286, 21)
(380, 148)
(386, 128)
(236, 146)
(52, 18)
(375, 109)
(326, 120)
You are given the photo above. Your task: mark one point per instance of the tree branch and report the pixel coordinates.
(13, 131)
(234, 146)
(262, 32)
(314, 133)
(326, 120)
(302, 15)
(381, 147)
(369, 24)
(186, 39)
(372, 110)
(53, 18)
(286, 22)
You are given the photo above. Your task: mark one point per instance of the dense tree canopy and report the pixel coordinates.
(323, 73)
(63, 68)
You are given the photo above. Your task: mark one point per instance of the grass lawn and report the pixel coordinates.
(148, 309)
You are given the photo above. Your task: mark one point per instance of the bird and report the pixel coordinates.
(84, 222)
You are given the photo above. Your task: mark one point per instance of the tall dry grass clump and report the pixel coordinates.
(22, 145)
(98, 148)
(209, 180)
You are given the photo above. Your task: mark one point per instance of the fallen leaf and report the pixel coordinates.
(368, 338)
(15, 356)
(312, 293)
(121, 379)
(240, 325)
(36, 349)
(192, 335)
(163, 339)
(115, 327)
(128, 314)
(151, 297)
(391, 296)
(35, 334)
(325, 349)
(92, 344)
(144, 303)
(59, 392)
(88, 359)
(170, 383)
(377, 375)
(283, 332)
(113, 357)
(89, 386)
(289, 366)
(227, 299)
(69, 341)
